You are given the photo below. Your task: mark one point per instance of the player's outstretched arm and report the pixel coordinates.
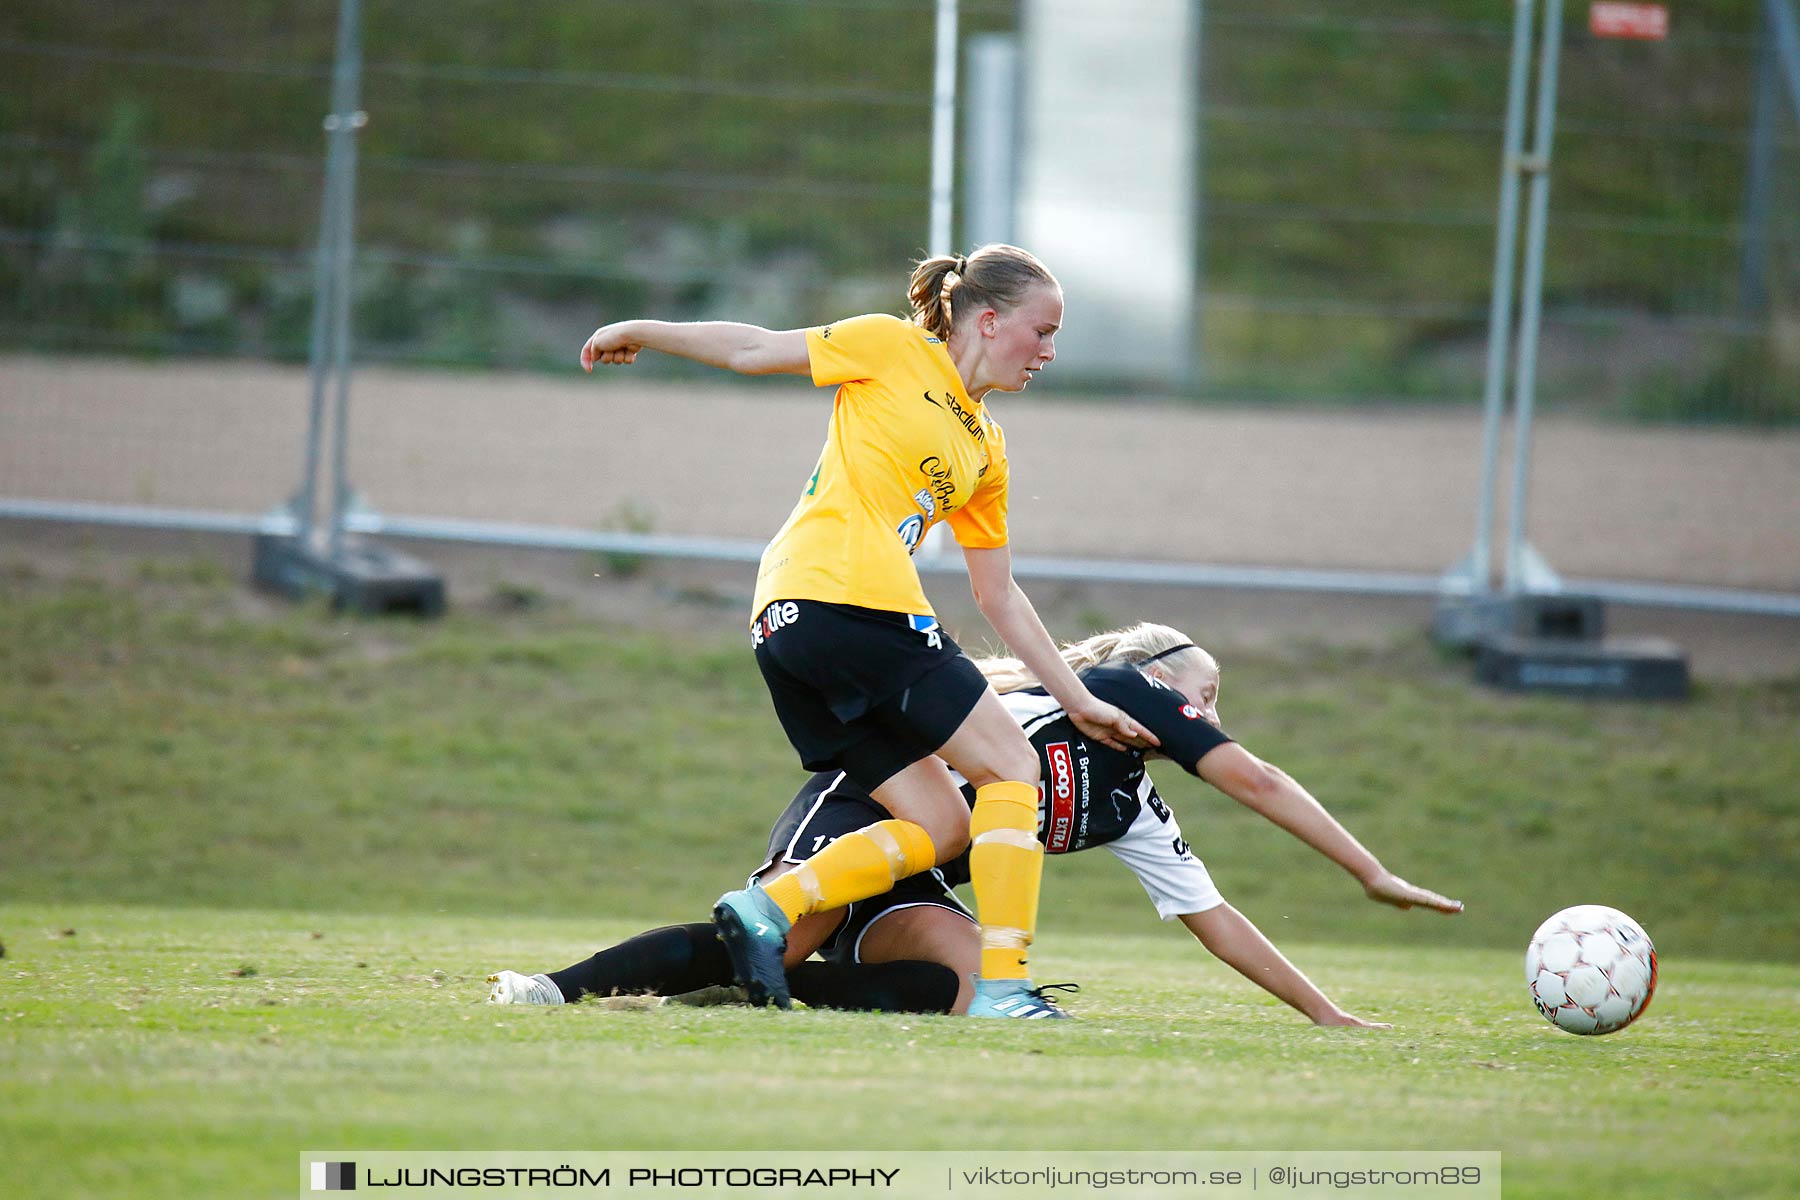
(1276, 795)
(746, 349)
(1235, 941)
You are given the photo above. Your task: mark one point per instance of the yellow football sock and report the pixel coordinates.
(856, 866)
(1006, 866)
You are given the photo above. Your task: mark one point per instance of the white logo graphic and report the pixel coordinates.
(910, 531)
(929, 627)
(774, 617)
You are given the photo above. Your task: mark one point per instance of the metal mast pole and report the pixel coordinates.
(1525, 571)
(943, 130)
(943, 179)
(1479, 566)
(328, 349)
(346, 119)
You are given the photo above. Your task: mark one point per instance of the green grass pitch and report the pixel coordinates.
(189, 1052)
(255, 862)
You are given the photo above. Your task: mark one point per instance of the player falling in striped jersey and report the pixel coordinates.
(913, 948)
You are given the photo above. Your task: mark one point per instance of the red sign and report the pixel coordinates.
(1646, 22)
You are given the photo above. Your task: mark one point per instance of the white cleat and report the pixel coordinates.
(510, 987)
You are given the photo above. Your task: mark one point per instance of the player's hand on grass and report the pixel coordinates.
(1342, 1019)
(1112, 726)
(1389, 888)
(609, 345)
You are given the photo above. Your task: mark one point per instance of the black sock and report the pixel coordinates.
(663, 962)
(903, 986)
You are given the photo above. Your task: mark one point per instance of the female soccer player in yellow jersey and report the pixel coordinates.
(862, 676)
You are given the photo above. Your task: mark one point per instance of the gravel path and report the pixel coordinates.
(1387, 490)
(1384, 490)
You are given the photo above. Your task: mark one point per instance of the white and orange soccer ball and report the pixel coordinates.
(1591, 969)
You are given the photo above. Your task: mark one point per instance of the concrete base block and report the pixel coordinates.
(1615, 668)
(365, 578)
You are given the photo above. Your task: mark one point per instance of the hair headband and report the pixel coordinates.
(1144, 662)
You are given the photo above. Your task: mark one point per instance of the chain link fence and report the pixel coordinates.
(1351, 162)
(526, 170)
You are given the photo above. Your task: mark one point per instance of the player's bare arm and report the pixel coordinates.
(1273, 793)
(732, 345)
(1010, 612)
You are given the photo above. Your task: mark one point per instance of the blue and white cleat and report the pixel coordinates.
(754, 930)
(1017, 998)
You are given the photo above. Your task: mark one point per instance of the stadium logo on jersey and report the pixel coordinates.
(967, 419)
(775, 617)
(1059, 816)
(925, 500)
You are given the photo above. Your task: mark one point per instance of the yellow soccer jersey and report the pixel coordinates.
(907, 448)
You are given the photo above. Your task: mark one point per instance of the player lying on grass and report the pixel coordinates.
(915, 948)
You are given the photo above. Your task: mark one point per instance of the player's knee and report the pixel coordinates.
(1018, 763)
(908, 845)
(948, 840)
(1022, 764)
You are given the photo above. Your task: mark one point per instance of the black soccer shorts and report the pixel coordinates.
(862, 690)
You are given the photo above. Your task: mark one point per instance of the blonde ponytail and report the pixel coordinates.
(995, 276)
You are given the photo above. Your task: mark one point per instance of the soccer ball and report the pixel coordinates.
(1591, 969)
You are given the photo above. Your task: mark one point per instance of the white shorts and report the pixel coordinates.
(1159, 856)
